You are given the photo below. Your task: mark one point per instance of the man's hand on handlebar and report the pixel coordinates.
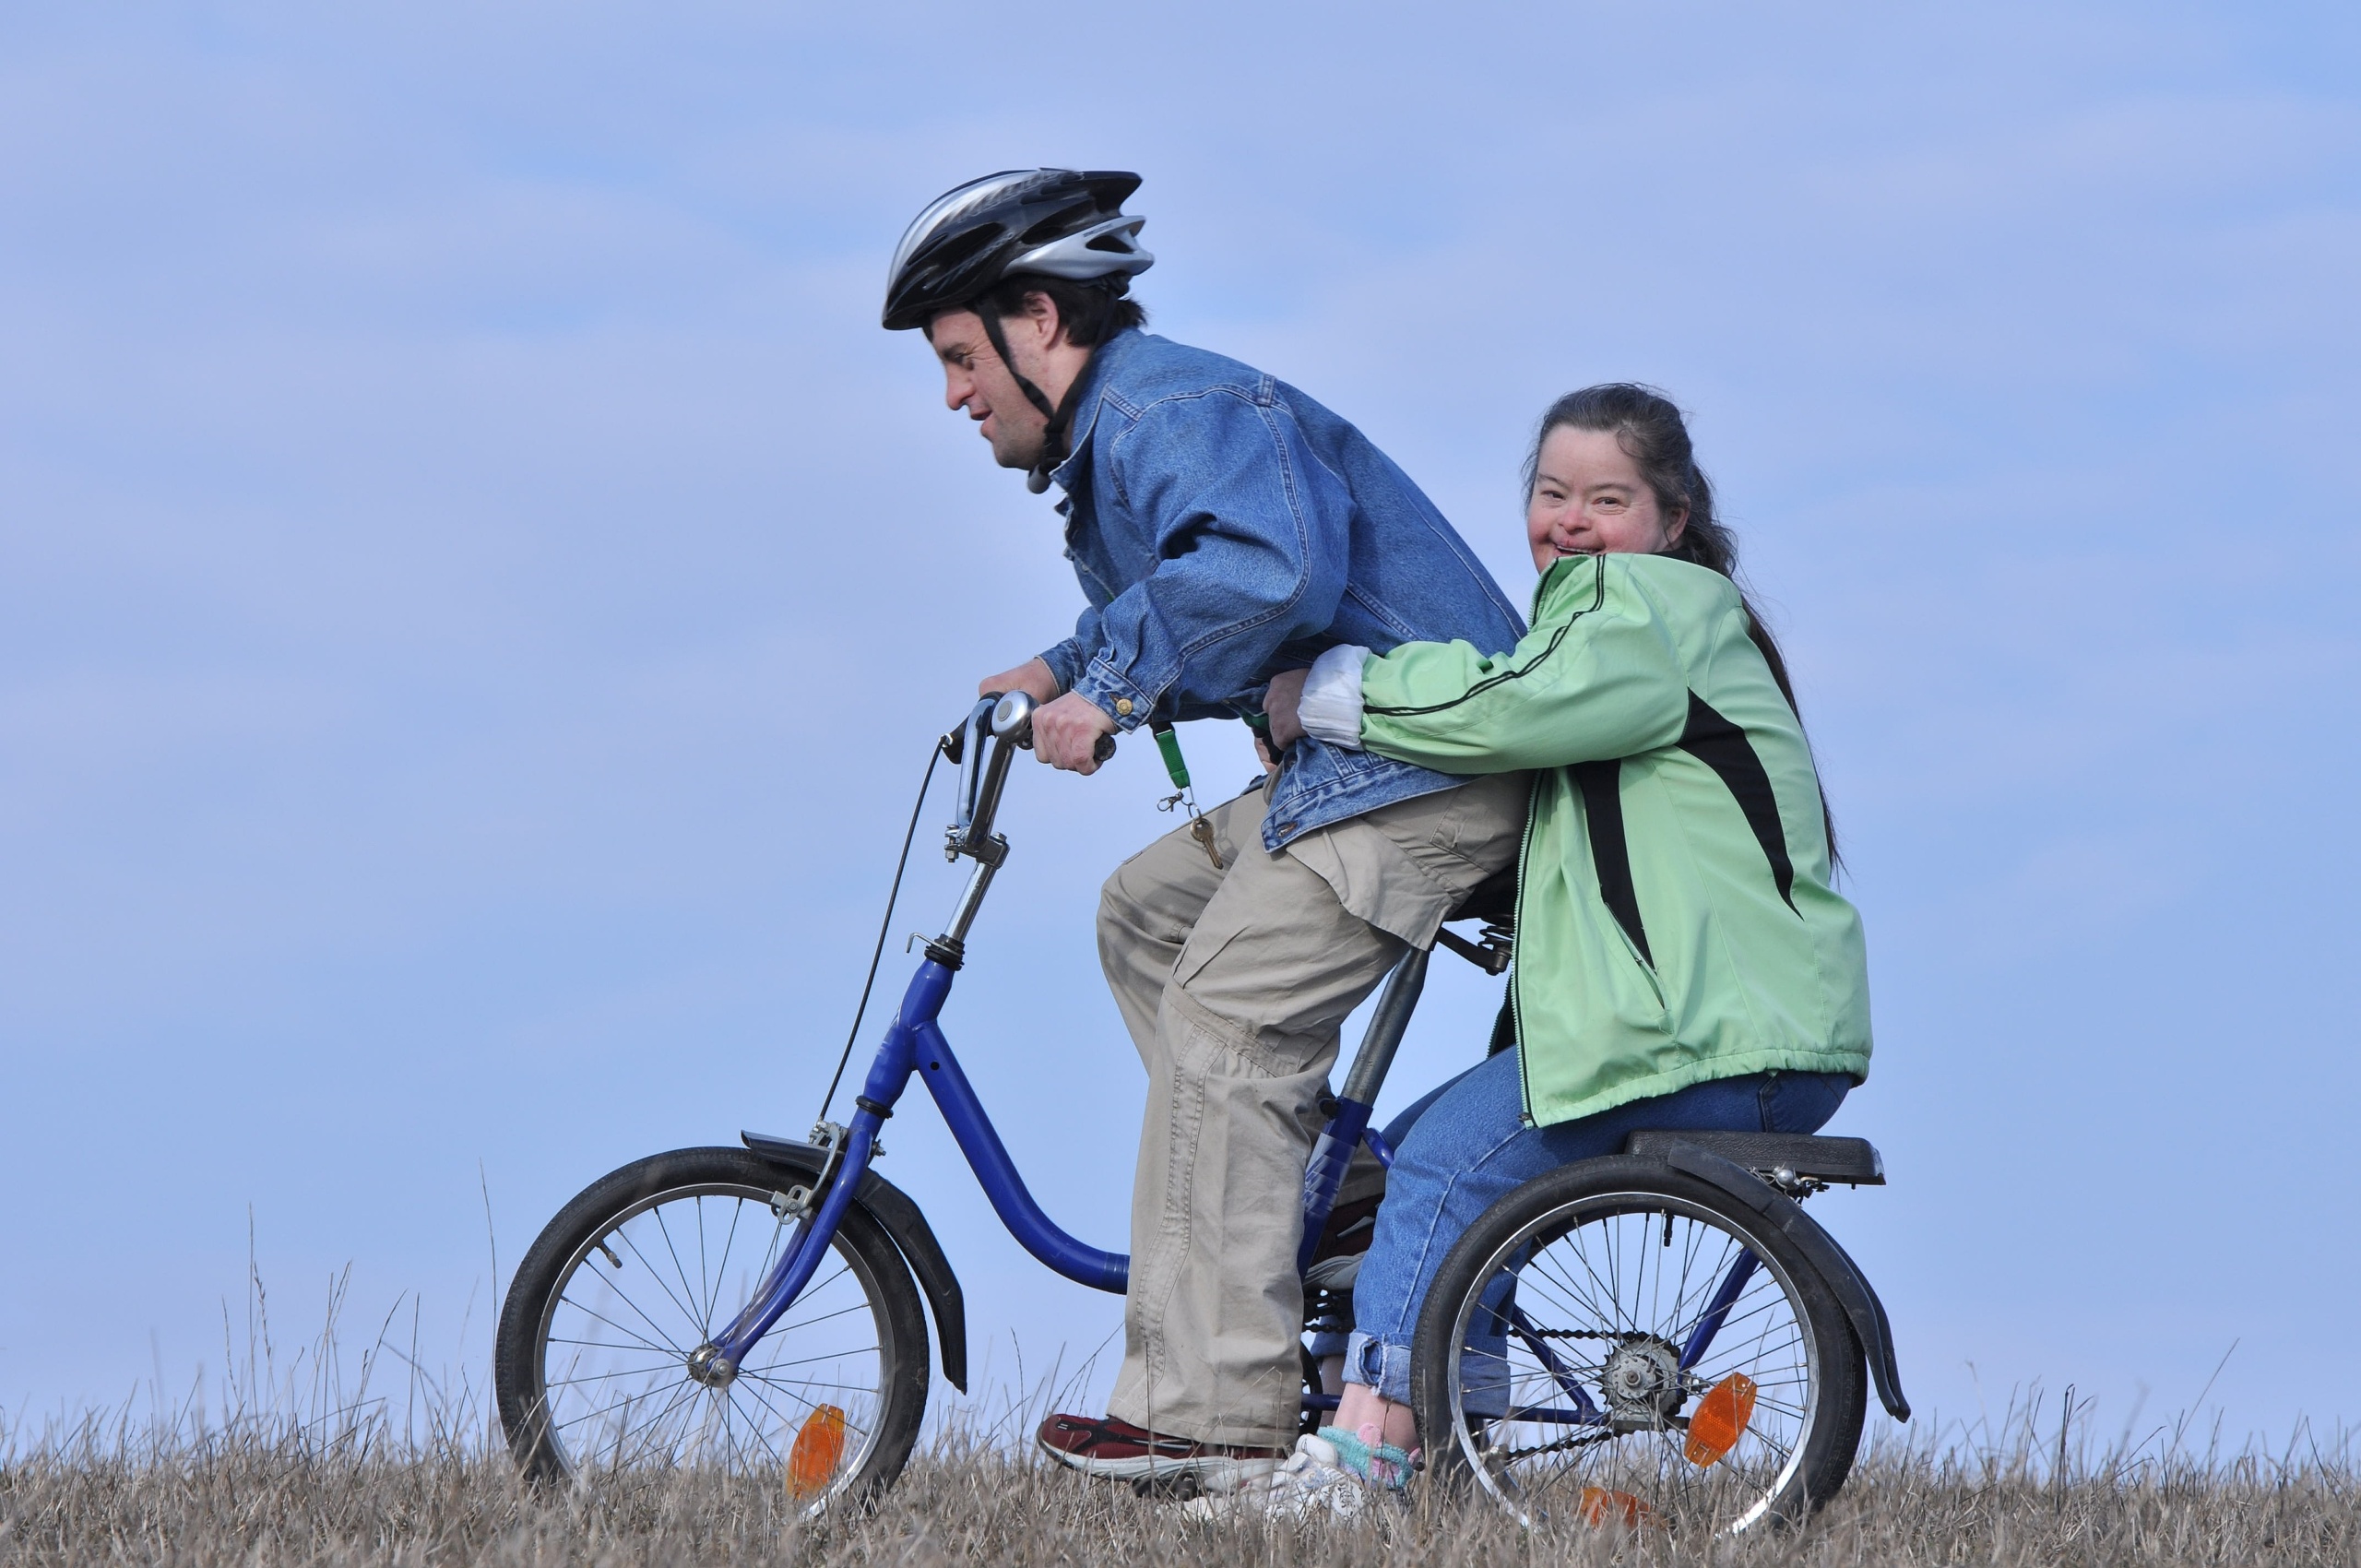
(1066, 732)
(1032, 677)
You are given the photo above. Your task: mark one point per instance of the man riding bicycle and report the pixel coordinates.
(1224, 528)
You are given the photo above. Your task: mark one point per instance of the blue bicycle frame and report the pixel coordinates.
(915, 1045)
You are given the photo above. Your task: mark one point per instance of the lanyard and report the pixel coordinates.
(1168, 741)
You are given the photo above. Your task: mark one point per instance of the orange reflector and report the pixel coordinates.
(1720, 1419)
(1601, 1506)
(811, 1463)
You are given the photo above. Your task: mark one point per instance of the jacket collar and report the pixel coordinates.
(1095, 376)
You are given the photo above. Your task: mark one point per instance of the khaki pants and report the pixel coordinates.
(1234, 984)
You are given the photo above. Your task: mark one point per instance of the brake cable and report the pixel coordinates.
(934, 754)
(1167, 743)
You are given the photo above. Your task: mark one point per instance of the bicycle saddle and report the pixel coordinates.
(1852, 1161)
(1492, 900)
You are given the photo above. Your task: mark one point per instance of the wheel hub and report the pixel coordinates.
(1641, 1381)
(709, 1366)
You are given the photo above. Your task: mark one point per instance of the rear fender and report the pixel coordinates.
(1835, 1266)
(892, 1208)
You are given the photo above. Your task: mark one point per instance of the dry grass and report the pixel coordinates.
(255, 1498)
(298, 1466)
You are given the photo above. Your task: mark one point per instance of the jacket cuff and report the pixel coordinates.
(1127, 705)
(1064, 661)
(1331, 708)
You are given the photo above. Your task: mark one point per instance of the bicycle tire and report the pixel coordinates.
(635, 1355)
(1570, 1245)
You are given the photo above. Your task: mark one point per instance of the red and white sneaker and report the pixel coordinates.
(1118, 1451)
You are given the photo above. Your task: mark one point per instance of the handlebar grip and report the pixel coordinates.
(1104, 749)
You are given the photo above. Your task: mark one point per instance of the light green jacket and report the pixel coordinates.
(1674, 919)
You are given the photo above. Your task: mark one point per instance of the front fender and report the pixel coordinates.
(892, 1208)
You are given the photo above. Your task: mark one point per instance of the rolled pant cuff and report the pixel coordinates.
(1379, 1365)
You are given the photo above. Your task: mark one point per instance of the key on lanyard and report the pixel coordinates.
(1168, 742)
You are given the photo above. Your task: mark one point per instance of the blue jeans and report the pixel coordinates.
(1466, 1147)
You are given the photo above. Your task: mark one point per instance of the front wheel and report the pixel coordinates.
(593, 1369)
(1617, 1341)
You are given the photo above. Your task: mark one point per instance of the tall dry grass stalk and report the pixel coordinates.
(238, 1500)
(295, 1462)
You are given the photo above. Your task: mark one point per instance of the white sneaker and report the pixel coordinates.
(1311, 1484)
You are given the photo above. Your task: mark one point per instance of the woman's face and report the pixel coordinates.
(1588, 499)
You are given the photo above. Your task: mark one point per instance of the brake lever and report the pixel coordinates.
(967, 754)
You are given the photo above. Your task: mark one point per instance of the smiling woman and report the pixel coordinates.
(1589, 498)
(1681, 958)
(1613, 471)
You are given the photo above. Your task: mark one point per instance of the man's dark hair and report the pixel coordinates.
(1089, 313)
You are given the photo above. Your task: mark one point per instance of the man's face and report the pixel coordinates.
(976, 380)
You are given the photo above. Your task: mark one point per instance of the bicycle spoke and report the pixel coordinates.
(668, 1347)
(784, 1419)
(601, 1377)
(704, 1267)
(823, 1356)
(655, 1274)
(713, 1299)
(614, 1350)
(1565, 1290)
(1637, 1279)
(809, 1293)
(824, 1317)
(614, 1376)
(732, 1392)
(785, 1387)
(689, 1291)
(688, 1388)
(614, 1286)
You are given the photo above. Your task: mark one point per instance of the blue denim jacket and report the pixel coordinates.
(1225, 528)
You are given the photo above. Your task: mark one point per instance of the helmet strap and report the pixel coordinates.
(1053, 439)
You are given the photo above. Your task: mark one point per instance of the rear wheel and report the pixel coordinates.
(637, 1274)
(1570, 1362)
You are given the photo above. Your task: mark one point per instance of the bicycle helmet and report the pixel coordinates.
(1063, 223)
(1056, 222)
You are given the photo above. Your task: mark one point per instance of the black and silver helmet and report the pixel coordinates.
(1060, 222)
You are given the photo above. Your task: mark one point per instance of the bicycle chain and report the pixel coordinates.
(1579, 1440)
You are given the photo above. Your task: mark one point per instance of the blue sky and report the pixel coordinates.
(476, 589)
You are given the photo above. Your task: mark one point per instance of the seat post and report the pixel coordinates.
(1323, 1173)
(1386, 1027)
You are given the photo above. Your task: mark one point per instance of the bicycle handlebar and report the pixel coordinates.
(1007, 718)
(1012, 721)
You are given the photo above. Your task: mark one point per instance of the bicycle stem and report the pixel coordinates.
(997, 725)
